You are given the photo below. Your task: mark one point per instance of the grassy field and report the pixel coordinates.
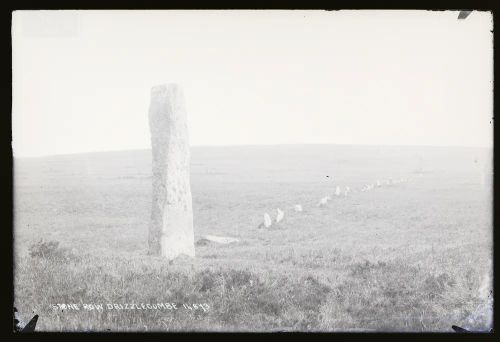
(413, 256)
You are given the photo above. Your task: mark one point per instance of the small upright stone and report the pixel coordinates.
(279, 216)
(267, 220)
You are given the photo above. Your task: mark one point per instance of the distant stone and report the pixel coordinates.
(279, 215)
(324, 201)
(297, 207)
(267, 220)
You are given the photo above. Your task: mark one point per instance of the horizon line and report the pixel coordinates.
(252, 145)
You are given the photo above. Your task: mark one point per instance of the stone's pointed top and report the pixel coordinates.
(161, 88)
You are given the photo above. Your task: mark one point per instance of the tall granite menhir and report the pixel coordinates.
(171, 229)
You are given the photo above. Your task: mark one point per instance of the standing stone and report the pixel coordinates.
(171, 230)
(280, 215)
(267, 220)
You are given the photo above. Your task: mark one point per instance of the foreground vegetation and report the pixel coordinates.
(382, 296)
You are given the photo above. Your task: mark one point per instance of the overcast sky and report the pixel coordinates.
(82, 79)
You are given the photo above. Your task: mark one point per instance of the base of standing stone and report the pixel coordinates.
(177, 243)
